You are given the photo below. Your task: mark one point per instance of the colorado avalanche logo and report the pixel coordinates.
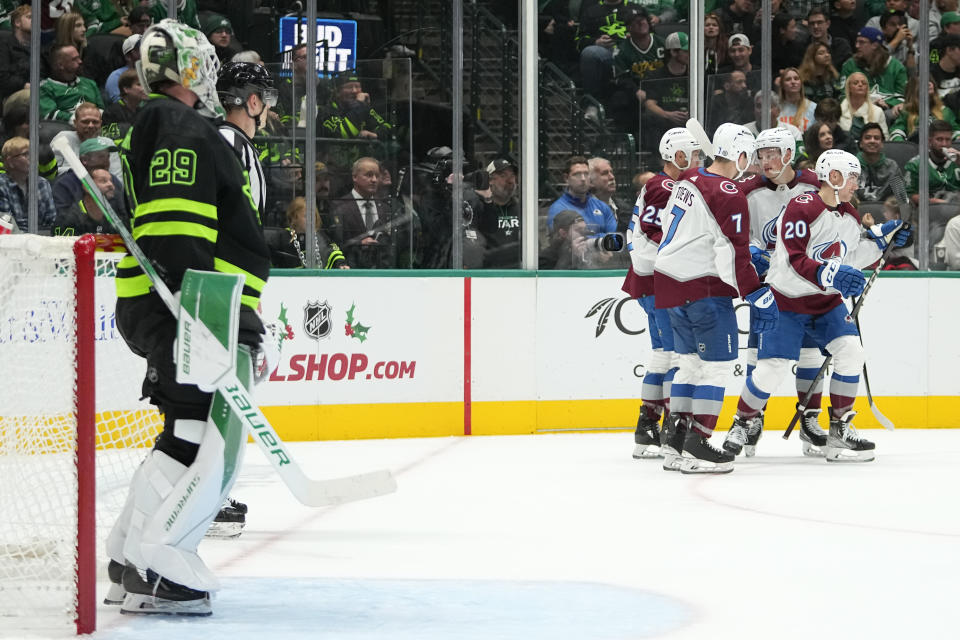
(668, 184)
(769, 234)
(729, 187)
(829, 250)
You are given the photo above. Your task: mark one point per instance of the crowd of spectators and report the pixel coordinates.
(843, 72)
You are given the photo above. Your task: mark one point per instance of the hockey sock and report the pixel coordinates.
(684, 382)
(807, 368)
(708, 395)
(751, 360)
(758, 387)
(653, 392)
(847, 364)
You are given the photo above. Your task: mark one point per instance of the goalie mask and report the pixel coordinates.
(678, 139)
(171, 51)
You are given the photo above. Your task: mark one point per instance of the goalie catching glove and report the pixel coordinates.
(844, 278)
(881, 234)
(765, 311)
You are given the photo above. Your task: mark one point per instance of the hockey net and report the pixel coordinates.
(65, 418)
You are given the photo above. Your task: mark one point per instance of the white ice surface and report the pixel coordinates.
(566, 537)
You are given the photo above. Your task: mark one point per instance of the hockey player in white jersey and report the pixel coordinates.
(680, 152)
(767, 195)
(703, 263)
(821, 248)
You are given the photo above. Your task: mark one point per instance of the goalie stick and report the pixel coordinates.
(311, 492)
(826, 362)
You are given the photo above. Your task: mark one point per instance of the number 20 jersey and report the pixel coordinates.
(809, 234)
(705, 249)
(644, 233)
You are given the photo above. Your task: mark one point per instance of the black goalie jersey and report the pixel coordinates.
(192, 209)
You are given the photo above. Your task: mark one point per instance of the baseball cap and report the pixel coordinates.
(320, 167)
(949, 18)
(629, 13)
(344, 77)
(216, 22)
(738, 39)
(500, 164)
(566, 218)
(131, 43)
(678, 40)
(96, 144)
(871, 34)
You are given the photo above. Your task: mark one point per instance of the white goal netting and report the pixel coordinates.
(38, 427)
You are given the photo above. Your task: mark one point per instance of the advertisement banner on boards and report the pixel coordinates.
(365, 340)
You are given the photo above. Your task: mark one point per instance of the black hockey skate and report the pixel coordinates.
(230, 520)
(699, 456)
(813, 438)
(743, 436)
(844, 444)
(116, 593)
(647, 436)
(671, 441)
(150, 594)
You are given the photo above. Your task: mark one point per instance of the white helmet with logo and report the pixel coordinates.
(172, 51)
(678, 139)
(837, 160)
(730, 140)
(778, 138)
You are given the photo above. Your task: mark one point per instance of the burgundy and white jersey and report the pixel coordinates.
(767, 201)
(809, 234)
(644, 233)
(705, 249)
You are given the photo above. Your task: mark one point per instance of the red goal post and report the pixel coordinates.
(72, 427)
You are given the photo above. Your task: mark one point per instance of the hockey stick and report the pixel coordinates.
(854, 313)
(696, 130)
(882, 419)
(313, 493)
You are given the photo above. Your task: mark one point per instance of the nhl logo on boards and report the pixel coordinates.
(316, 319)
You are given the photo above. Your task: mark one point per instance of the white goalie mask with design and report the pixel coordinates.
(172, 51)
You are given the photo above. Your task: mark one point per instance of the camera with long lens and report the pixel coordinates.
(612, 242)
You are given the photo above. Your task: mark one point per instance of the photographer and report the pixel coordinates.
(436, 178)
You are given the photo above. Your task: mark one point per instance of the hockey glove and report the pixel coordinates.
(760, 260)
(844, 278)
(765, 311)
(880, 233)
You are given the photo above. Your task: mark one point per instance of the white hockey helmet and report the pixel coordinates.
(172, 51)
(776, 138)
(730, 140)
(837, 160)
(678, 139)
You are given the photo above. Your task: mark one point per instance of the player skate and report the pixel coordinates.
(844, 444)
(814, 438)
(149, 593)
(744, 435)
(229, 521)
(647, 436)
(699, 456)
(116, 593)
(671, 442)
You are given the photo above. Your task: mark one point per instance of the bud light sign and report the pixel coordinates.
(336, 43)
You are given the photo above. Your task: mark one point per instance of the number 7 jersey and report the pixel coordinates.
(705, 249)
